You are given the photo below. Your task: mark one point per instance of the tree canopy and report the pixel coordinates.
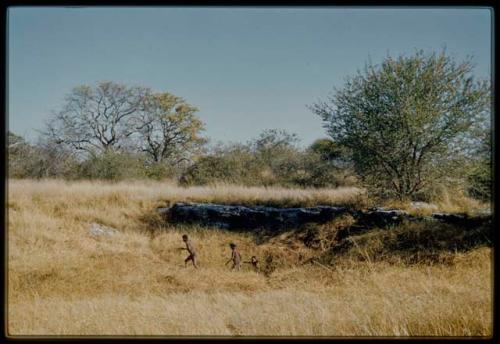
(96, 118)
(168, 128)
(111, 116)
(403, 119)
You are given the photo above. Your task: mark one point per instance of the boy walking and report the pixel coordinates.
(192, 253)
(235, 257)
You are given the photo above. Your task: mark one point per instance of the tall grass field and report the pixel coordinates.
(62, 280)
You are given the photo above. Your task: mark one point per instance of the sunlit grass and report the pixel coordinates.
(61, 280)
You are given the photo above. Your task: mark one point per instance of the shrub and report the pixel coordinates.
(270, 160)
(112, 165)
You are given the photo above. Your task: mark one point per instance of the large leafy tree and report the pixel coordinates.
(168, 128)
(404, 120)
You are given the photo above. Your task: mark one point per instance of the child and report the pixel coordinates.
(235, 257)
(255, 263)
(192, 253)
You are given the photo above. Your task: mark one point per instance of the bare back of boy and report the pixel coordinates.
(236, 258)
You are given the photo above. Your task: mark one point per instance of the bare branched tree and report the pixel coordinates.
(97, 118)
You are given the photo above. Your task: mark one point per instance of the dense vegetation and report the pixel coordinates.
(408, 128)
(273, 158)
(410, 121)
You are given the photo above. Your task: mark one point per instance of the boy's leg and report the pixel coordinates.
(187, 260)
(194, 262)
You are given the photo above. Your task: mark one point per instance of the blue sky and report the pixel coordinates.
(246, 69)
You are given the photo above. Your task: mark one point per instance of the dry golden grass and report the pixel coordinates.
(171, 193)
(63, 281)
(448, 201)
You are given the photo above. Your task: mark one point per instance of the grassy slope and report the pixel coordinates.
(64, 281)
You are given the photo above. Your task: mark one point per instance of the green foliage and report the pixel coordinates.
(480, 173)
(112, 165)
(271, 140)
(159, 170)
(323, 172)
(42, 160)
(480, 181)
(271, 159)
(327, 149)
(405, 121)
(231, 164)
(210, 169)
(410, 127)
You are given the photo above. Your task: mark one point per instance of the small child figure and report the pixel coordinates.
(235, 257)
(192, 253)
(255, 263)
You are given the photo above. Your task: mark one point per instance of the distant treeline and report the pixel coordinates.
(273, 158)
(404, 129)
